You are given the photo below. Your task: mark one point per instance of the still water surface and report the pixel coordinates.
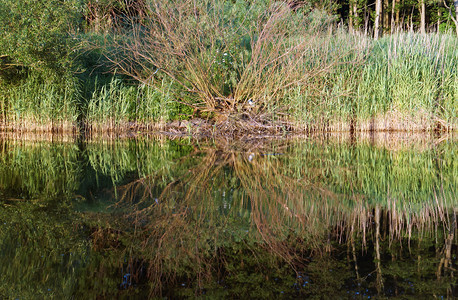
(328, 217)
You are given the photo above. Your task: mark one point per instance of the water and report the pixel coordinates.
(327, 217)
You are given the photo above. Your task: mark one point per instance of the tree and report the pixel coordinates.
(422, 16)
(454, 18)
(378, 16)
(35, 34)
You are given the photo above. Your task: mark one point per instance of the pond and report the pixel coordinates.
(327, 216)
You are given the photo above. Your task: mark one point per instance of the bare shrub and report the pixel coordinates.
(226, 58)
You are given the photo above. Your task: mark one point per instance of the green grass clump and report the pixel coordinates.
(117, 103)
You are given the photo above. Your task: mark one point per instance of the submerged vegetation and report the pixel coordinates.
(260, 66)
(177, 219)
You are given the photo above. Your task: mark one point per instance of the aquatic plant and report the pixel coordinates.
(406, 82)
(260, 67)
(282, 70)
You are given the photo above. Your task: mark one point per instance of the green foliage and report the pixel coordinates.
(35, 34)
(53, 68)
(36, 74)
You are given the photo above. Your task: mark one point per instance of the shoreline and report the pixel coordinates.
(391, 123)
(391, 140)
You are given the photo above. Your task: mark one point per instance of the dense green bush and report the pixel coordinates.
(35, 34)
(37, 50)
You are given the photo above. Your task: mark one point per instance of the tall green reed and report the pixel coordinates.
(405, 81)
(40, 101)
(412, 73)
(118, 103)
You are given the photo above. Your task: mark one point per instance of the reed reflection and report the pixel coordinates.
(286, 205)
(295, 218)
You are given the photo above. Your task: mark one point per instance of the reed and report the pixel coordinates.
(406, 82)
(311, 80)
(246, 67)
(118, 106)
(412, 73)
(41, 105)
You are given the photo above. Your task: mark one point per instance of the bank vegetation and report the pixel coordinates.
(218, 67)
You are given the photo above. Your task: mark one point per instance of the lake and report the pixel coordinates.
(328, 216)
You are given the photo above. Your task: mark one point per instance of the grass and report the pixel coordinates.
(405, 82)
(414, 76)
(116, 105)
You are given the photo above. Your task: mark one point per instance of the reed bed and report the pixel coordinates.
(322, 82)
(415, 73)
(41, 105)
(117, 105)
(406, 82)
